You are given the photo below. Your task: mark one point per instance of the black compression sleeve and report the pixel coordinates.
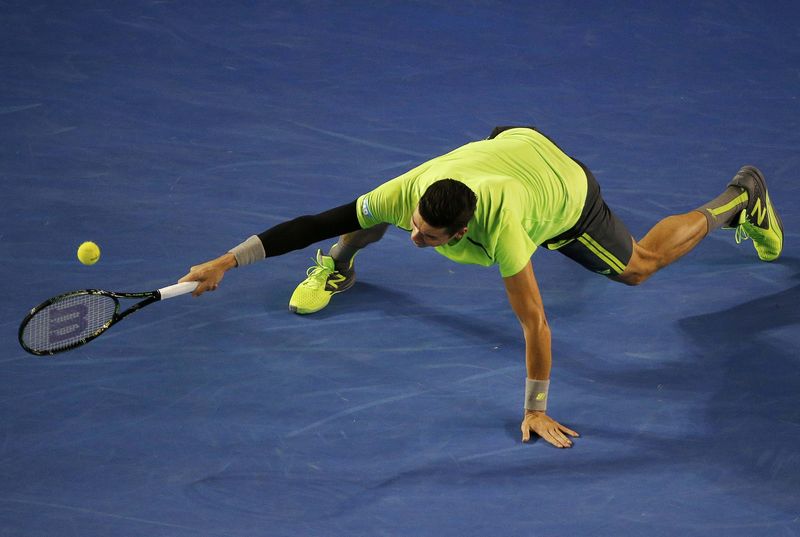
(305, 230)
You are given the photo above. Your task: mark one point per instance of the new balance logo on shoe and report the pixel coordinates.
(759, 213)
(334, 280)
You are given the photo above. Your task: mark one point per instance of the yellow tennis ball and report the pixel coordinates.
(88, 253)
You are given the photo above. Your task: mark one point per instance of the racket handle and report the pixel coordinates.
(177, 289)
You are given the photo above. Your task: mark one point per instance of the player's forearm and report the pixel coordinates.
(526, 301)
(227, 261)
(538, 357)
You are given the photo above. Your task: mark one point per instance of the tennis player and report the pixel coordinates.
(494, 202)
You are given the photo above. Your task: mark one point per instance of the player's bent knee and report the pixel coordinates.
(641, 266)
(631, 278)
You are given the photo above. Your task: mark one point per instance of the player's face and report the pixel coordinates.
(424, 235)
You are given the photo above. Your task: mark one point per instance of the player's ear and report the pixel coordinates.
(461, 233)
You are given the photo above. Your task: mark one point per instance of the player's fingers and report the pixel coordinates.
(208, 285)
(192, 276)
(563, 437)
(526, 432)
(568, 431)
(557, 439)
(550, 439)
(202, 287)
(188, 278)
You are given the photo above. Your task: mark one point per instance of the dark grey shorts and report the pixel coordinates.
(599, 240)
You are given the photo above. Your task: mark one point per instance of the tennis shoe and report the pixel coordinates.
(322, 283)
(759, 220)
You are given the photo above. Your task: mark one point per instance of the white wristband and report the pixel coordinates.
(249, 251)
(536, 394)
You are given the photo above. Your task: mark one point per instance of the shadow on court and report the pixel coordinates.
(760, 389)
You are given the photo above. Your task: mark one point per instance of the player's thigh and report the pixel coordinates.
(600, 241)
(603, 245)
(608, 258)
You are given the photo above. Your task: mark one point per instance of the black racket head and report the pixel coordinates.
(67, 321)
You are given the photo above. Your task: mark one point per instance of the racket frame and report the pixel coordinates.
(148, 296)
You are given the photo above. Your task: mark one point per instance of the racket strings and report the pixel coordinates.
(68, 321)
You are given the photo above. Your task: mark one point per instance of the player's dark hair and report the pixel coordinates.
(449, 204)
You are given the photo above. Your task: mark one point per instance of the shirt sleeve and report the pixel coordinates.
(389, 203)
(514, 247)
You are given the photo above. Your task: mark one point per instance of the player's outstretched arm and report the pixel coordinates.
(526, 301)
(285, 237)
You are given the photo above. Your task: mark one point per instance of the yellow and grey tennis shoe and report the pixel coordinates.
(759, 221)
(322, 283)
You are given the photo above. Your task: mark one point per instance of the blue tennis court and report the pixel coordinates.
(169, 132)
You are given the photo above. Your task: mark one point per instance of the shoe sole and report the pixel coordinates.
(773, 214)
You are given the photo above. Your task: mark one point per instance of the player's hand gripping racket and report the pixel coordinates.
(76, 318)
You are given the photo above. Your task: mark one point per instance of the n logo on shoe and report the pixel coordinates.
(334, 280)
(759, 212)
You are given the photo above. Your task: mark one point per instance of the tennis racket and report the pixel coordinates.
(67, 321)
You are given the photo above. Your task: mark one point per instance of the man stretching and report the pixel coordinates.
(494, 202)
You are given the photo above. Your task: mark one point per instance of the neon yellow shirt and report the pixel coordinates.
(528, 191)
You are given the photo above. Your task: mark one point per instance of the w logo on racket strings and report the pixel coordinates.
(66, 323)
(72, 319)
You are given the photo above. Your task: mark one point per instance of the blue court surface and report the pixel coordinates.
(168, 132)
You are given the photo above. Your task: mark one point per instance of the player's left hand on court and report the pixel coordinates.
(546, 427)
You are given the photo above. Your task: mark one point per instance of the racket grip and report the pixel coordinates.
(177, 289)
